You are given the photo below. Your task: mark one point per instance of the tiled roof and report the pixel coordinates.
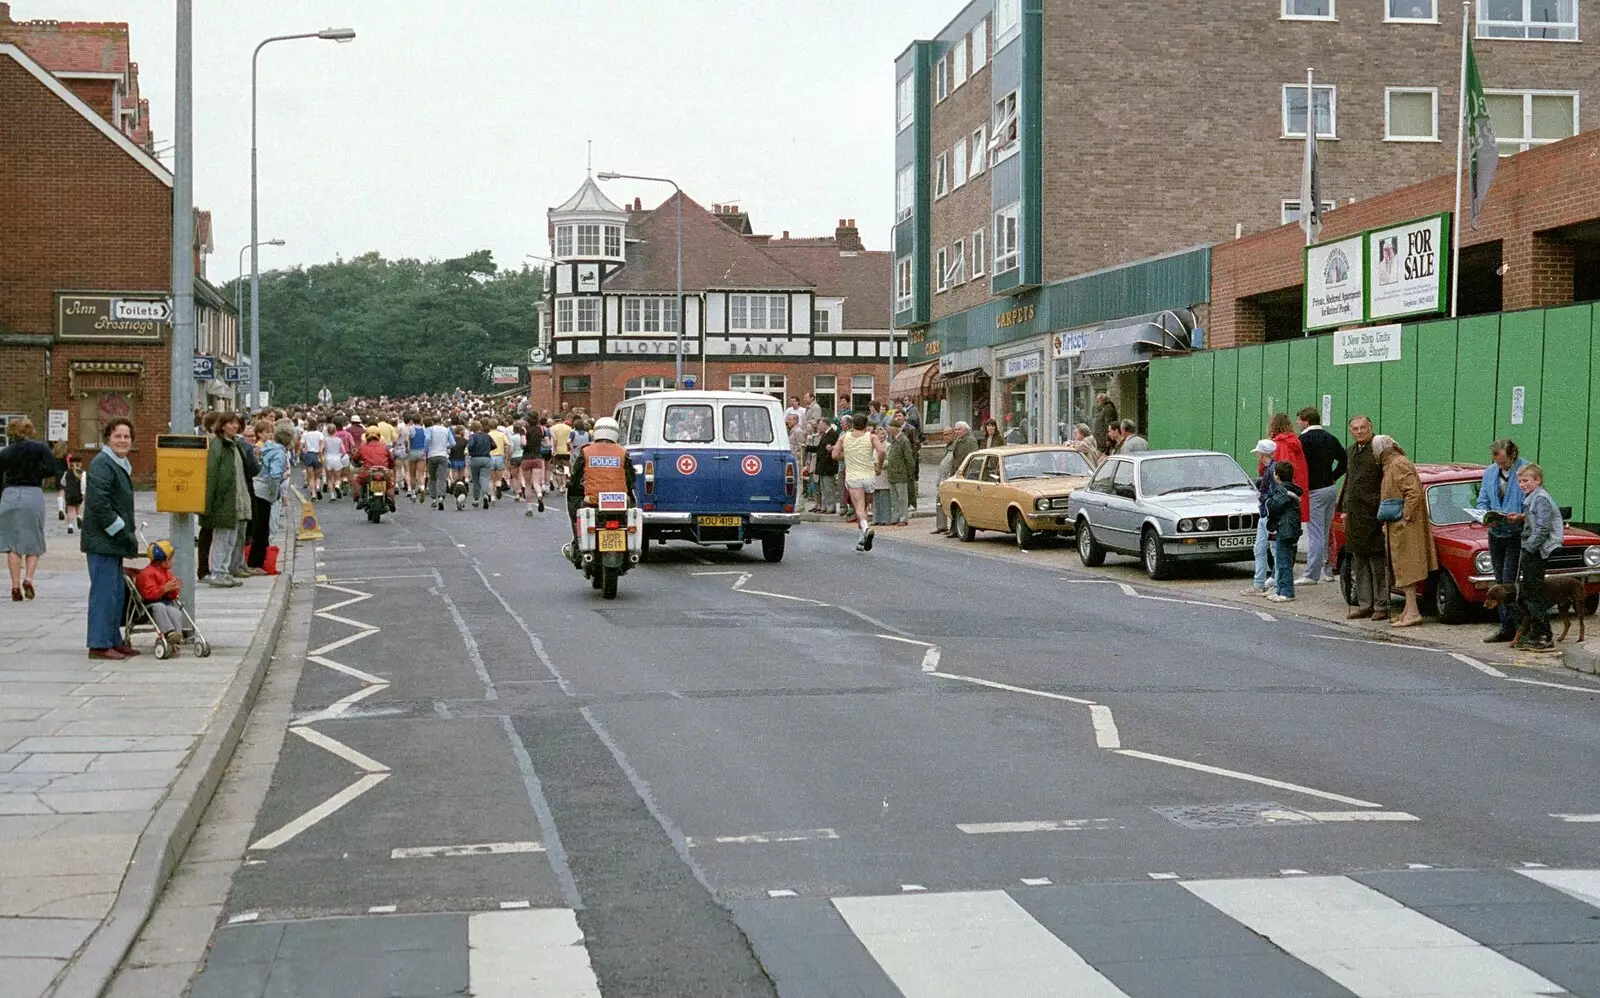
(861, 278)
(590, 197)
(714, 256)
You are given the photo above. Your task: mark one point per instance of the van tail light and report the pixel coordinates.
(788, 478)
(649, 476)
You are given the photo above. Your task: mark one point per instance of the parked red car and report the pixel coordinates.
(1465, 574)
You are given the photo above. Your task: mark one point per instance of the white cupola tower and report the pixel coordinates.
(588, 226)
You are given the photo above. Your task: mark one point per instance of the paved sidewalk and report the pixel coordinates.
(101, 763)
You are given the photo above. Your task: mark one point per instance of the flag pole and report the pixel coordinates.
(1309, 192)
(1461, 142)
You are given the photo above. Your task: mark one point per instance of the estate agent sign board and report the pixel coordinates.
(1390, 273)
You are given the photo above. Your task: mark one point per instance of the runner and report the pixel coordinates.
(863, 456)
(311, 457)
(416, 454)
(334, 453)
(436, 448)
(561, 448)
(530, 471)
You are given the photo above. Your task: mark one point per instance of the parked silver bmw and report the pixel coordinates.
(1166, 507)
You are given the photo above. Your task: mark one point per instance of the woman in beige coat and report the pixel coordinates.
(1412, 557)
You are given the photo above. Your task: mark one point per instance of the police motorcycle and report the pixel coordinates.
(376, 497)
(609, 528)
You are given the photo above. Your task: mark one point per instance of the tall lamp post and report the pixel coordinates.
(238, 290)
(678, 358)
(326, 34)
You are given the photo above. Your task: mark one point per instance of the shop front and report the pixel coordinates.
(963, 383)
(1113, 358)
(1021, 400)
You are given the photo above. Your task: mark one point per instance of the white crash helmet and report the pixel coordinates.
(606, 428)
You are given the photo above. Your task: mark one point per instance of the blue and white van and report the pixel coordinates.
(713, 468)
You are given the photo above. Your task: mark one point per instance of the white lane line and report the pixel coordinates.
(906, 641)
(1014, 689)
(1054, 825)
(338, 707)
(1036, 881)
(348, 670)
(1418, 866)
(338, 748)
(1579, 819)
(796, 599)
(1581, 884)
(1247, 777)
(249, 916)
(476, 849)
(1127, 590)
(911, 888)
(321, 811)
(403, 548)
(348, 639)
(930, 657)
(764, 838)
(383, 909)
(513, 954)
(1163, 876)
(782, 892)
(1367, 941)
(979, 942)
(1373, 641)
(1105, 727)
(514, 905)
(533, 639)
(1535, 866)
(1293, 873)
(1554, 686)
(1264, 615)
(473, 654)
(387, 578)
(1360, 816)
(1486, 669)
(734, 572)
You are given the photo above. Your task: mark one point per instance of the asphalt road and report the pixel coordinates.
(918, 771)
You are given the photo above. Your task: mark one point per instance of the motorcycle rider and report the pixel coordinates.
(373, 453)
(601, 465)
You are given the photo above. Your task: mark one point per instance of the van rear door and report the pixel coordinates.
(755, 452)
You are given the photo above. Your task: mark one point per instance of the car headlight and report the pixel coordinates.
(1041, 504)
(1184, 526)
(1484, 565)
(1203, 524)
(1591, 556)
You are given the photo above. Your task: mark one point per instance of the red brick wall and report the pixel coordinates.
(608, 379)
(79, 213)
(1545, 188)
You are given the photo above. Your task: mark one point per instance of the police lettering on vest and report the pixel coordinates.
(604, 469)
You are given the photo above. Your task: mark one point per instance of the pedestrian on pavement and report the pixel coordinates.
(265, 491)
(813, 409)
(1501, 492)
(227, 509)
(899, 466)
(861, 453)
(1283, 508)
(882, 512)
(1083, 437)
(160, 589)
(71, 491)
(24, 465)
(991, 435)
(1265, 476)
(796, 432)
(1130, 441)
(108, 537)
(1325, 463)
(961, 445)
(1363, 534)
(1105, 417)
(1291, 453)
(827, 470)
(1542, 534)
(1412, 556)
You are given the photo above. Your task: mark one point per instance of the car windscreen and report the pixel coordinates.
(690, 424)
(746, 424)
(1448, 503)
(1190, 473)
(1045, 464)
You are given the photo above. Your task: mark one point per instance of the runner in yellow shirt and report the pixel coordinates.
(497, 462)
(561, 448)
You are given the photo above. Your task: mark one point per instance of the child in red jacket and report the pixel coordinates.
(159, 590)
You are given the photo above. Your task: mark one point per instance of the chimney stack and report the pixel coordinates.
(848, 236)
(5, 13)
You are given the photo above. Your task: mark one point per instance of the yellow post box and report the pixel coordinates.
(181, 473)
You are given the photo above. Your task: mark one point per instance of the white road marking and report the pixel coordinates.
(906, 641)
(1163, 876)
(764, 838)
(1581, 884)
(249, 916)
(1554, 686)
(1360, 816)
(514, 905)
(382, 909)
(796, 599)
(1418, 866)
(1373, 641)
(473, 654)
(404, 548)
(1293, 873)
(348, 639)
(1247, 777)
(782, 892)
(338, 748)
(476, 849)
(1036, 881)
(1487, 670)
(1053, 825)
(1367, 941)
(1264, 615)
(1012, 689)
(1534, 866)
(348, 670)
(321, 811)
(387, 578)
(911, 888)
(1579, 819)
(338, 707)
(512, 954)
(1004, 951)
(1105, 727)
(930, 657)
(733, 572)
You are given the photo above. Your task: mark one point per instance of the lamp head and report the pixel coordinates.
(340, 35)
(608, 175)
(273, 242)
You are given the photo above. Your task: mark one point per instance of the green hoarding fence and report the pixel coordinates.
(1457, 386)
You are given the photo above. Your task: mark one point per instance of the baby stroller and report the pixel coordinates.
(137, 616)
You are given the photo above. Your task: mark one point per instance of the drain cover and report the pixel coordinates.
(1246, 814)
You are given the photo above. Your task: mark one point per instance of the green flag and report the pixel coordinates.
(1482, 153)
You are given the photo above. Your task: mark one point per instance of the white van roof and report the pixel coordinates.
(708, 396)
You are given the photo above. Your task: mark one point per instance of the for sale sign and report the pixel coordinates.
(1408, 268)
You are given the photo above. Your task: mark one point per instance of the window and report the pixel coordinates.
(771, 384)
(905, 192)
(633, 315)
(649, 315)
(1004, 143)
(978, 260)
(978, 154)
(860, 392)
(956, 272)
(941, 176)
(613, 240)
(972, 470)
(991, 469)
(958, 160)
(747, 424)
(636, 430)
(902, 284)
(563, 240)
(941, 79)
(98, 408)
(588, 315)
(905, 101)
(1524, 119)
(1007, 245)
(5, 422)
(574, 384)
(588, 240)
(1411, 10)
(1549, 20)
(820, 320)
(980, 45)
(748, 312)
(823, 388)
(690, 424)
(669, 315)
(564, 315)
(646, 385)
(1007, 22)
(1290, 210)
(1411, 114)
(941, 265)
(1316, 10)
(958, 63)
(1294, 111)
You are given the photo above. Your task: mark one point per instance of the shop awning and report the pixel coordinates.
(913, 381)
(1130, 342)
(956, 379)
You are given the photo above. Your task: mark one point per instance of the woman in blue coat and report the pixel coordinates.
(108, 537)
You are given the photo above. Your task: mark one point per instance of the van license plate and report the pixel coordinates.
(613, 540)
(719, 521)
(1235, 542)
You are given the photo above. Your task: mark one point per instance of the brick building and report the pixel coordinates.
(1037, 142)
(88, 220)
(786, 316)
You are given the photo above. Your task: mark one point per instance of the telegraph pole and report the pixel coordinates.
(181, 415)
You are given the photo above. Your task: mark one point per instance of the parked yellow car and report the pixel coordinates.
(1022, 490)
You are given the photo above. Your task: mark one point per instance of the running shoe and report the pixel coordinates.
(866, 541)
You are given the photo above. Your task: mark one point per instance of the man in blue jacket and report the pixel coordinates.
(1501, 494)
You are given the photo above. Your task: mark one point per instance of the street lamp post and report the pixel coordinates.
(238, 291)
(327, 34)
(678, 358)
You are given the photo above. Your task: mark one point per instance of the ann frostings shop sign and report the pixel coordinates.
(1390, 273)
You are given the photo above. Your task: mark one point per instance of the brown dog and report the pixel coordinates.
(1564, 594)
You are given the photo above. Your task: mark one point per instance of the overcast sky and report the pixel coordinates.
(452, 125)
